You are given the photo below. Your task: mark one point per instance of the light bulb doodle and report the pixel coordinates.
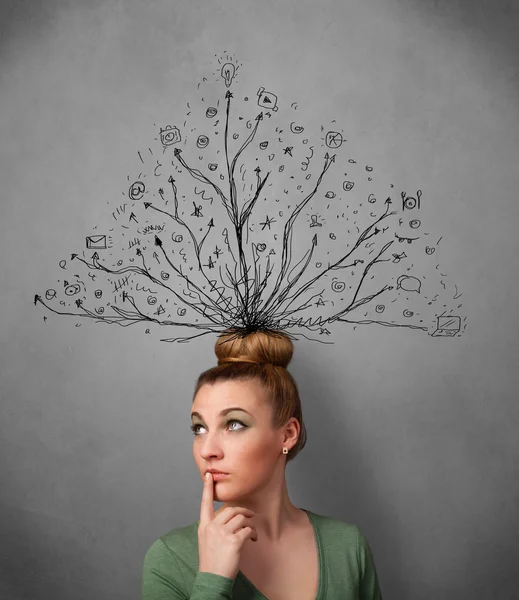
(228, 72)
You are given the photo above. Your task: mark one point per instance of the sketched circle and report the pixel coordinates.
(415, 223)
(213, 166)
(338, 286)
(151, 300)
(408, 313)
(332, 236)
(410, 203)
(202, 141)
(100, 310)
(181, 311)
(98, 293)
(329, 195)
(177, 238)
(235, 136)
(164, 275)
(136, 191)
(50, 294)
(211, 112)
(318, 264)
(72, 290)
(263, 145)
(119, 263)
(296, 128)
(348, 185)
(380, 308)
(262, 247)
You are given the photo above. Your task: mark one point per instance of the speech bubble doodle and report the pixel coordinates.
(408, 283)
(267, 99)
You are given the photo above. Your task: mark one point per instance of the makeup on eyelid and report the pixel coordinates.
(195, 425)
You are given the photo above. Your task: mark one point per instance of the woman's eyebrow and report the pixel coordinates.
(222, 412)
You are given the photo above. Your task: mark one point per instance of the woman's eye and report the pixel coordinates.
(194, 428)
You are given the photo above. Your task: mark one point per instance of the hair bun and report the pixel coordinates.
(261, 347)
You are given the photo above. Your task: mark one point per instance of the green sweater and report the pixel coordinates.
(346, 567)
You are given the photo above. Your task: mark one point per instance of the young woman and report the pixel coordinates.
(247, 422)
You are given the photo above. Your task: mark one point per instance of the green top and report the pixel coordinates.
(346, 567)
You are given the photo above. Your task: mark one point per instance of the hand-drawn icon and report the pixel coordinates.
(263, 145)
(202, 141)
(72, 290)
(164, 275)
(170, 135)
(136, 191)
(296, 128)
(100, 310)
(314, 222)
(213, 166)
(177, 238)
(96, 242)
(408, 313)
(380, 308)
(98, 294)
(415, 223)
(181, 311)
(62, 263)
(267, 99)
(261, 247)
(50, 294)
(332, 236)
(447, 326)
(409, 203)
(211, 112)
(228, 71)
(288, 150)
(372, 199)
(329, 195)
(235, 136)
(429, 250)
(398, 257)
(338, 286)
(334, 139)
(401, 239)
(369, 168)
(408, 283)
(348, 185)
(151, 300)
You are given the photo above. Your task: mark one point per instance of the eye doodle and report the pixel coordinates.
(211, 112)
(409, 203)
(151, 300)
(263, 145)
(72, 290)
(202, 141)
(164, 275)
(329, 195)
(213, 166)
(170, 135)
(405, 239)
(136, 191)
(181, 311)
(261, 247)
(415, 223)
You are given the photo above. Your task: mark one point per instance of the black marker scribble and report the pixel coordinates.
(246, 261)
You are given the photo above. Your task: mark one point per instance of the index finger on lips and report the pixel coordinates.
(207, 504)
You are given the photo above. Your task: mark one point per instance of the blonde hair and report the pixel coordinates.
(262, 356)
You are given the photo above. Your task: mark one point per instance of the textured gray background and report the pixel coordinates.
(412, 438)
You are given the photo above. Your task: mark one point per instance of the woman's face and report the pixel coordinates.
(242, 444)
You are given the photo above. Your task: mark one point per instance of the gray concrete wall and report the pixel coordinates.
(411, 437)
